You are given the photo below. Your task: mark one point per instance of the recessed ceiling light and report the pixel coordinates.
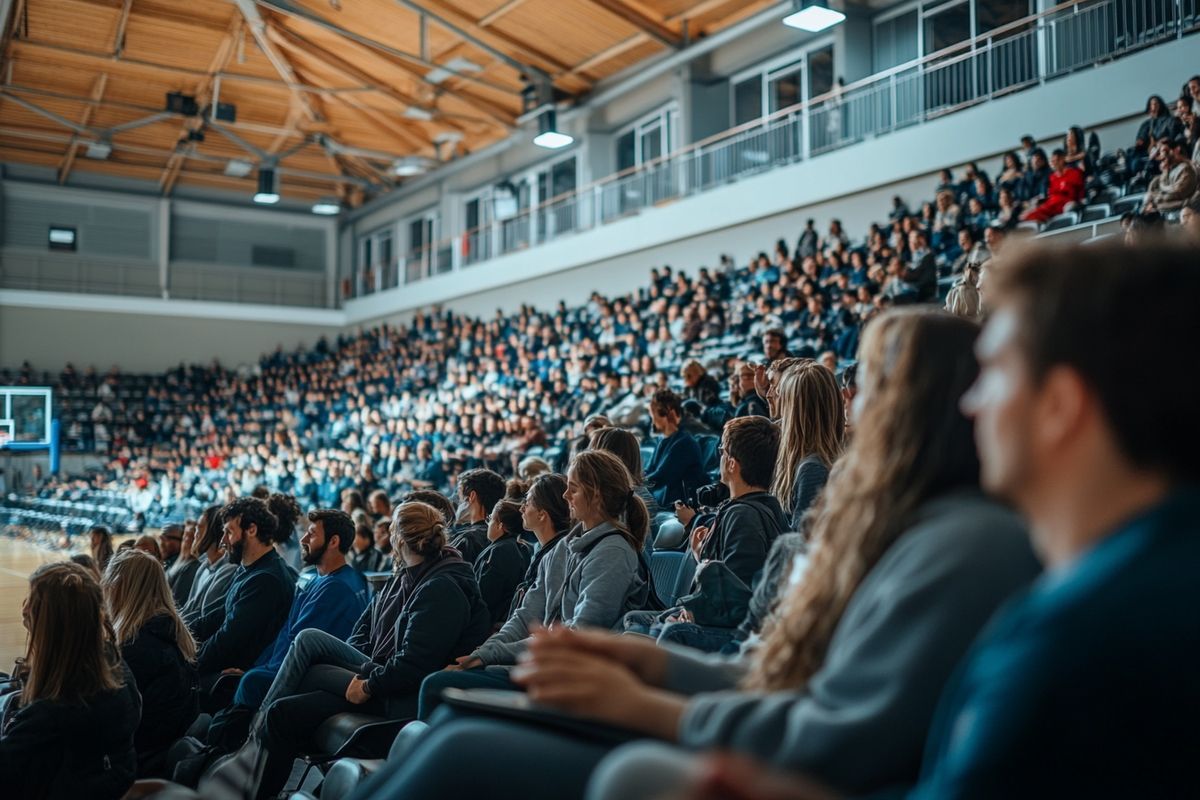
(327, 207)
(813, 16)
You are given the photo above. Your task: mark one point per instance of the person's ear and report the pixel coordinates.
(1061, 409)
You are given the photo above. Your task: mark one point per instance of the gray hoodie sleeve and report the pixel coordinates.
(600, 585)
(506, 644)
(861, 720)
(690, 671)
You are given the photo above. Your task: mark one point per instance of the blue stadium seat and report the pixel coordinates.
(672, 571)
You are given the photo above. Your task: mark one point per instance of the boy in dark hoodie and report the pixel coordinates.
(478, 490)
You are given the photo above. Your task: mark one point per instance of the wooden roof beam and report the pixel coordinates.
(497, 13)
(642, 19)
(64, 167)
(258, 29)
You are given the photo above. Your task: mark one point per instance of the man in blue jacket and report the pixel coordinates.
(676, 466)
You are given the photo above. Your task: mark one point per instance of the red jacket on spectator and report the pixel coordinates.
(1066, 186)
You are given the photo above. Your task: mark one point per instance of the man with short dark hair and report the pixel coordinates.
(774, 344)
(364, 556)
(676, 467)
(259, 596)
(169, 543)
(1105, 470)
(478, 491)
(331, 602)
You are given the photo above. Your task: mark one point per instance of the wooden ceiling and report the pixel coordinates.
(333, 91)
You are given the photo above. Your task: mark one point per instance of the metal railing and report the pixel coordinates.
(1014, 57)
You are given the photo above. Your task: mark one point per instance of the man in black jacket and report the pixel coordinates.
(259, 598)
(478, 491)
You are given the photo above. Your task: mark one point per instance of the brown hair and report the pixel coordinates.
(70, 651)
(912, 443)
(209, 530)
(546, 494)
(754, 443)
(433, 498)
(812, 422)
(606, 478)
(135, 591)
(421, 526)
(624, 445)
(509, 515)
(102, 551)
(148, 544)
(666, 402)
(1123, 319)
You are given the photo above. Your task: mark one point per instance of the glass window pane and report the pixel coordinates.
(947, 28)
(563, 177)
(747, 100)
(785, 89)
(652, 142)
(626, 151)
(991, 14)
(820, 71)
(904, 37)
(385, 249)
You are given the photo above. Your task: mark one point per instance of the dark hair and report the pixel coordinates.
(1058, 151)
(777, 333)
(1162, 104)
(546, 494)
(287, 514)
(666, 402)
(1122, 318)
(508, 513)
(365, 530)
(624, 445)
(515, 489)
(252, 511)
(335, 522)
(754, 443)
(356, 499)
(209, 529)
(103, 550)
(488, 486)
(433, 498)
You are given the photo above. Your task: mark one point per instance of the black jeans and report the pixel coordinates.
(290, 721)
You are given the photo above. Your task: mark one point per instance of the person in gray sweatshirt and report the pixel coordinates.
(590, 580)
(909, 561)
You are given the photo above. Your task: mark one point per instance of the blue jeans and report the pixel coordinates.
(701, 637)
(309, 648)
(478, 678)
(253, 687)
(507, 761)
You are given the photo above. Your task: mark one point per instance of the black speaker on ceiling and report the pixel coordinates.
(225, 112)
(180, 103)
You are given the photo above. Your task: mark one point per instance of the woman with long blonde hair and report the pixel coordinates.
(812, 424)
(68, 731)
(159, 651)
(909, 561)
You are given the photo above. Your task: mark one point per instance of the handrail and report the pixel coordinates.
(492, 236)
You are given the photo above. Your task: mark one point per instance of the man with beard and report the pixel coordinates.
(331, 602)
(260, 594)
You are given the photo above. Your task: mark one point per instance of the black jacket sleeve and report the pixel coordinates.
(425, 638)
(258, 610)
(743, 541)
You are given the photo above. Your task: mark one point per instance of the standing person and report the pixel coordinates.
(69, 731)
(812, 425)
(478, 491)
(158, 649)
(100, 542)
(438, 616)
(502, 563)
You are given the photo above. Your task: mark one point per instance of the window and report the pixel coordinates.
(651, 137)
(377, 265)
(901, 35)
(896, 40)
(947, 27)
(782, 82)
(61, 238)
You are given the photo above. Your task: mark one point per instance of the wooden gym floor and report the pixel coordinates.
(17, 560)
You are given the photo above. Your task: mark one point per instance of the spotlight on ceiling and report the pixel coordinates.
(99, 150)
(813, 16)
(268, 187)
(327, 207)
(408, 166)
(549, 136)
(238, 168)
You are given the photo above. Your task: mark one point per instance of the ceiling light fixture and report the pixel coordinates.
(813, 16)
(450, 69)
(408, 166)
(549, 136)
(268, 187)
(327, 207)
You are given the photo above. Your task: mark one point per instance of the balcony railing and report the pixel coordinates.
(1014, 57)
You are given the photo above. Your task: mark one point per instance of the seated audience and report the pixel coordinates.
(502, 564)
(425, 617)
(101, 546)
(1175, 183)
(675, 469)
(182, 574)
(910, 562)
(159, 651)
(148, 544)
(743, 395)
(591, 580)
(170, 541)
(1104, 471)
(215, 570)
(544, 513)
(624, 445)
(1065, 189)
(478, 491)
(363, 555)
(260, 594)
(69, 729)
(812, 424)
